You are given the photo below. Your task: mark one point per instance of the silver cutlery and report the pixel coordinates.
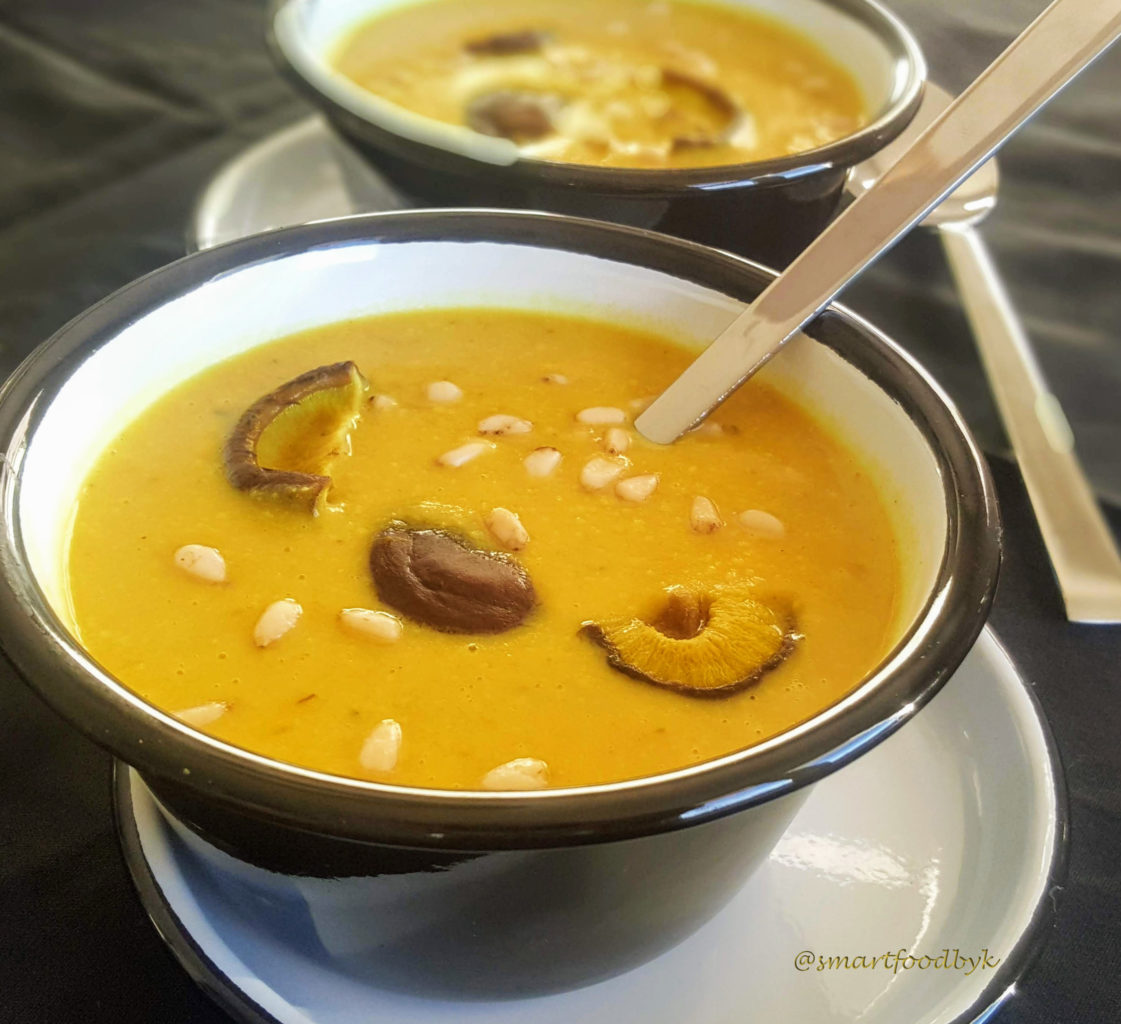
(1062, 41)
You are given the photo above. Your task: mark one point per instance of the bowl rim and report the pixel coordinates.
(40, 646)
(891, 120)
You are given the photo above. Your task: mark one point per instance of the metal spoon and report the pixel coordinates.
(1066, 37)
(1083, 553)
(1043, 58)
(969, 203)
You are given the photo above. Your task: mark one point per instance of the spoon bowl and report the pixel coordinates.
(968, 204)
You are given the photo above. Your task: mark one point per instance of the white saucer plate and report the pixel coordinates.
(946, 842)
(297, 175)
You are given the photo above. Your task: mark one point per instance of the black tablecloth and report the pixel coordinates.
(112, 115)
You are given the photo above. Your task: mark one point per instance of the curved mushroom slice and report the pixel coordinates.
(700, 113)
(518, 115)
(284, 443)
(440, 580)
(508, 44)
(705, 644)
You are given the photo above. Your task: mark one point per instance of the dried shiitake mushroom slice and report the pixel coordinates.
(707, 115)
(443, 581)
(507, 44)
(706, 643)
(285, 442)
(518, 115)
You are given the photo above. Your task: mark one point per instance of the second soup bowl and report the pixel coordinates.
(768, 210)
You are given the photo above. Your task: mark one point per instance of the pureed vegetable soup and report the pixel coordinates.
(626, 83)
(499, 569)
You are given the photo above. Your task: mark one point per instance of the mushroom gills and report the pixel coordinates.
(285, 443)
(706, 643)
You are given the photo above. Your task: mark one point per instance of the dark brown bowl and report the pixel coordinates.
(510, 892)
(767, 210)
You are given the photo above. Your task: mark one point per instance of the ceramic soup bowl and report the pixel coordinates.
(465, 891)
(768, 210)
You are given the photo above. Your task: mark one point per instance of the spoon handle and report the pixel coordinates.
(1084, 557)
(1040, 61)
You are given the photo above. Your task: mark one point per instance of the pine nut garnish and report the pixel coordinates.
(380, 626)
(703, 517)
(599, 471)
(276, 620)
(637, 488)
(520, 773)
(542, 461)
(383, 402)
(379, 752)
(761, 523)
(501, 424)
(555, 378)
(507, 529)
(202, 714)
(443, 391)
(601, 415)
(202, 562)
(463, 454)
(616, 441)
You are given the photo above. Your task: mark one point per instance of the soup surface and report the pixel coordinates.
(626, 83)
(816, 542)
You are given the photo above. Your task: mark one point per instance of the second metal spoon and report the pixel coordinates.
(1078, 540)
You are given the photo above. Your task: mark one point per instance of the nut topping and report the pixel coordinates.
(507, 529)
(761, 523)
(520, 773)
(463, 454)
(637, 488)
(500, 424)
(599, 472)
(202, 714)
(377, 625)
(278, 618)
(616, 441)
(202, 562)
(703, 517)
(380, 751)
(601, 415)
(542, 461)
(443, 392)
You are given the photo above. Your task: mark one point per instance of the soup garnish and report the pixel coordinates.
(626, 83)
(505, 586)
(284, 444)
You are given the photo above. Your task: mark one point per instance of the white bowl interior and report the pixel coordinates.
(310, 31)
(255, 304)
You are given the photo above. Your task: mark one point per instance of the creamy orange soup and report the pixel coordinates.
(626, 83)
(761, 502)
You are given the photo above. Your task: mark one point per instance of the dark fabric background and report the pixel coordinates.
(113, 113)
